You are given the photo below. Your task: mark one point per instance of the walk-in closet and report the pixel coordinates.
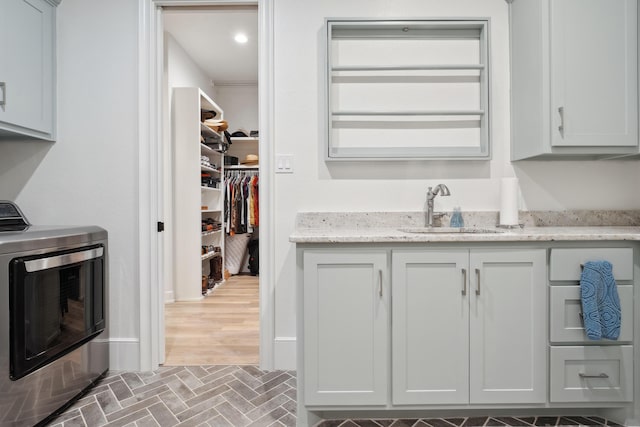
(212, 185)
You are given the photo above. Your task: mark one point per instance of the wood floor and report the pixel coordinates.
(222, 329)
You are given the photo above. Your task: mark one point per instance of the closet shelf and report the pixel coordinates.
(206, 130)
(208, 169)
(210, 255)
(240, 167)
(408, 67)
(205, 149)
(210, 210)
(244, 139)
(210, 189)
(211, 233)
(411, 113)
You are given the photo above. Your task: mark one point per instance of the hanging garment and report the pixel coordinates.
(256, 204)
(241, 202)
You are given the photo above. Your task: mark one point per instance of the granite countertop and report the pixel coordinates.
(386, 227)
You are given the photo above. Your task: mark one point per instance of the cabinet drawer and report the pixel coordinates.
(566, 320)
(565, 264)
(591, 374)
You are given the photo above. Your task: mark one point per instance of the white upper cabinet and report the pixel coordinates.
(574, 78)
(27, 68)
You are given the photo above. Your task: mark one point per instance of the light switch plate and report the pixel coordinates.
(284, 163)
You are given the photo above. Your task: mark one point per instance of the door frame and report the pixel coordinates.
(150, 177)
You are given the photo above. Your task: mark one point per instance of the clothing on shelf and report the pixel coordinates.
(241, 214)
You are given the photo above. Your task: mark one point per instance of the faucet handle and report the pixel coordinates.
(444, 190)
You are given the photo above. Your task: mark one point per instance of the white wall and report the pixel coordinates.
(180, 69)
(401, 186)
(90, 175)
(240, 104)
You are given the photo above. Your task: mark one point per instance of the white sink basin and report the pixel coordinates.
(450, 230)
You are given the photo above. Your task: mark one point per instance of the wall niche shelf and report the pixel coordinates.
(407, 89)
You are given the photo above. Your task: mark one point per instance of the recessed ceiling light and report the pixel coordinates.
(241, 38)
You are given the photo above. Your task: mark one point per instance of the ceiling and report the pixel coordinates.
(207, 35)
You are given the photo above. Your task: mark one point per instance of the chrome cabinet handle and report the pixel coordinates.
(478, 281)
(561, 127)
(600, 375)
(3, 86)
(464, 281)
(380, 286)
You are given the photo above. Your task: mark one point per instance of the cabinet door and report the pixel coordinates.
(430, 327)
(346, 323)
(507, 326)
(27, 67)
(594, 90)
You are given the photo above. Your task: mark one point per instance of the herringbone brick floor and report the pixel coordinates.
(204, 396)
(236, 396)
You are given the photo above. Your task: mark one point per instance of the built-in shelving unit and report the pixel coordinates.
(199, 196)
(407, 89)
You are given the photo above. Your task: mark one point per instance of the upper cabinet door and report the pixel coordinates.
(27, 85)
(594, 86)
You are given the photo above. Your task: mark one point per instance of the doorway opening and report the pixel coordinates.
(201, 51)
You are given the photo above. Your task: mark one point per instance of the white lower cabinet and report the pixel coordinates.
(346, 324)
(421, 327)
(430, 327)
(581, 369)
(447, 327)
(469, 326)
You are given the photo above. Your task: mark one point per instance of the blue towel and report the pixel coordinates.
(600, 302)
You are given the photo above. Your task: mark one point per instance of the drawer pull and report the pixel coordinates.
(380, 284)
(601, 375)
(477, 281)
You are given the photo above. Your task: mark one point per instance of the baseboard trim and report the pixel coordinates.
(124, 354)
(285, 353)
(169, 297)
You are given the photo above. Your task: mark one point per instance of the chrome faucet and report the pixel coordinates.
(431, 194)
